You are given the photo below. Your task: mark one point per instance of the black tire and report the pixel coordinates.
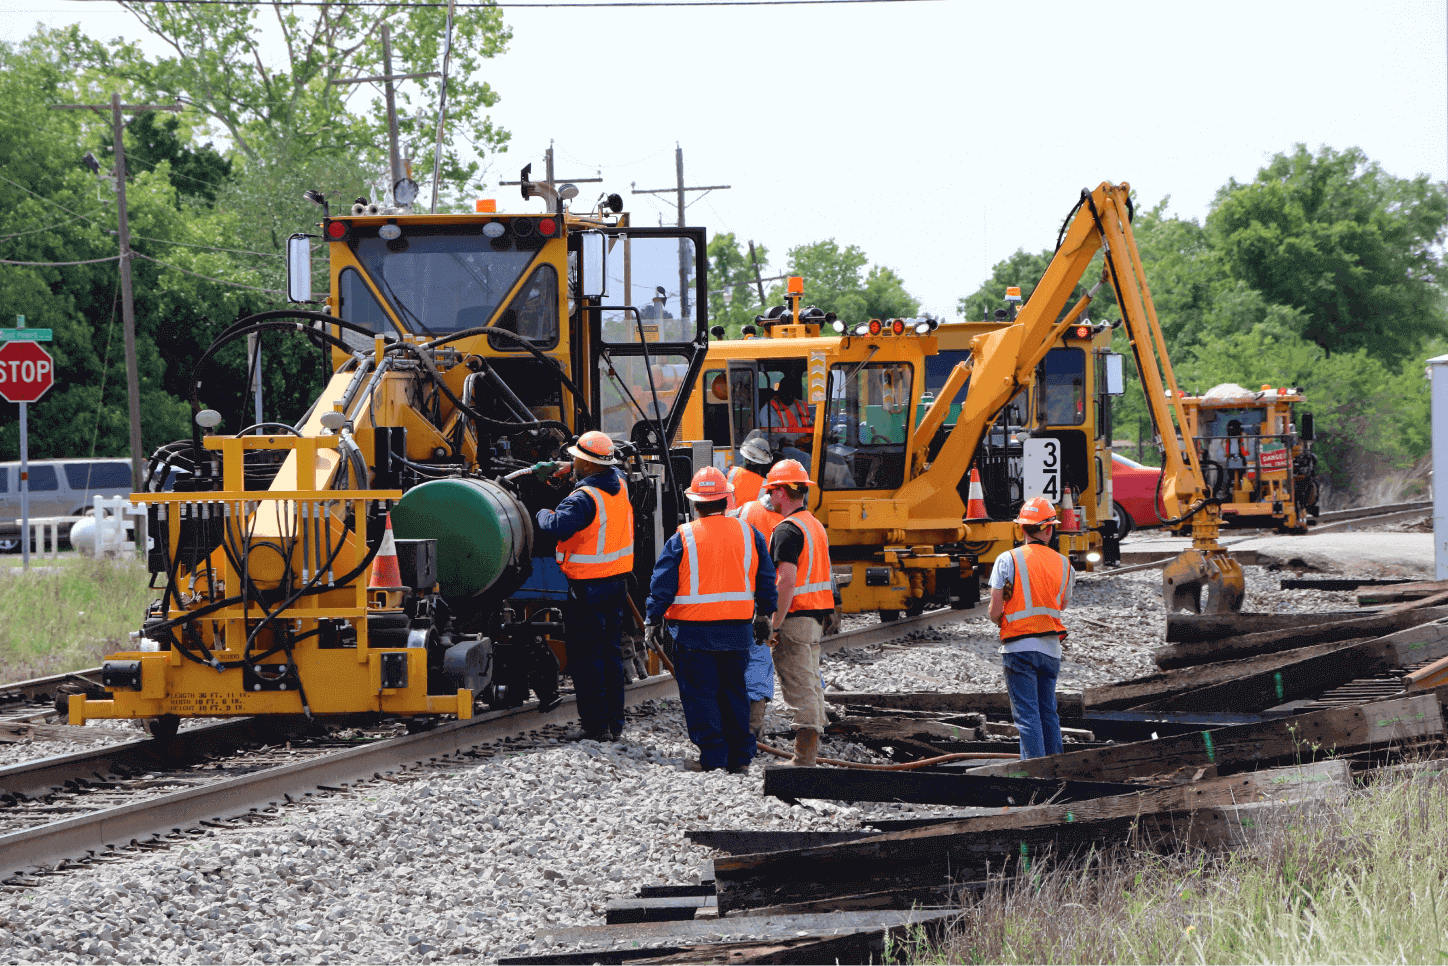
(1124, 523)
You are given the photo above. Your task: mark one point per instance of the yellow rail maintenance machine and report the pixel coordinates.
(466, 350)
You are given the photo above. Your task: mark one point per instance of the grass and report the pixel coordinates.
(65, 615)
(1361, 880)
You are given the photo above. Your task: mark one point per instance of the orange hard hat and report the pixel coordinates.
(786, 472)
(708, 485)
(595, 447)
(1038, 511)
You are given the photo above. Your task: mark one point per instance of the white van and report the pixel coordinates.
(58, 488)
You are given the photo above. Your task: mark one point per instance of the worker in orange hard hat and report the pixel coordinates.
(801, 552)
(715, 585)
(594, 526)
(1030, 588)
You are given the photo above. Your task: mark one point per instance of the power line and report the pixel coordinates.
(209, 278)
(515, 6)
(210, 248)
(89, 261)
(33, 231)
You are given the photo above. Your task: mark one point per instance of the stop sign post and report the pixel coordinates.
(26, 373)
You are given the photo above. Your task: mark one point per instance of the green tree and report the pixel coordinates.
(154, 137)
(1025, 269)
(733, 295)
(218, 65)
(833, 281)
(1356, 249)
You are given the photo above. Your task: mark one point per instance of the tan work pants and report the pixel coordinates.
(797, 662)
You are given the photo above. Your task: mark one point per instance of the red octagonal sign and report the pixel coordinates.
(26, 372)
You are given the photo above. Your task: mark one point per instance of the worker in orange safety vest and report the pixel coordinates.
(1030, 588)
(594, 525)
(801, 552)
(747, 476)
(714, 583)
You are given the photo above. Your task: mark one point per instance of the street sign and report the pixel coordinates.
(25, 335)
(26, 372)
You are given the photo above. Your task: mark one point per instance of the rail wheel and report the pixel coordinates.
(163, 727)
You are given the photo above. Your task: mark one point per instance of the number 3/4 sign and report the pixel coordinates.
(1042, 459)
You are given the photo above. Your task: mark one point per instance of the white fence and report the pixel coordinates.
(108, 529)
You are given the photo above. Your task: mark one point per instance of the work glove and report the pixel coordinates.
(659, 638)
(763, 628)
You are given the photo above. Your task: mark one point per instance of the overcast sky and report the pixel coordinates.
(941, 136)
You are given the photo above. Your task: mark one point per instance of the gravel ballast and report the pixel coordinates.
(466, 859)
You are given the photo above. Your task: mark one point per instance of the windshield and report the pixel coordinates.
(1065, 387)
(441, 283)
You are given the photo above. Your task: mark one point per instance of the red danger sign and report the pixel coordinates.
(26, 372)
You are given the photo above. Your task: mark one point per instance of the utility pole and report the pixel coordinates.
(678, 191)
(549, 176)
(758, 282)
(387, 78)
(128, 306)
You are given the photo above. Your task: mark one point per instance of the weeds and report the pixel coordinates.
(65, 617)
(1360, 879)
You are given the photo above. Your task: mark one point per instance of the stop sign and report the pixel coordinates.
(26, 372)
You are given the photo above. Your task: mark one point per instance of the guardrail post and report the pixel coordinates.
(1438, 374)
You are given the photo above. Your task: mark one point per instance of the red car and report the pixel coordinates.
(1133, 490)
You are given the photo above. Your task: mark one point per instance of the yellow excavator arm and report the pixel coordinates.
(1003, 362)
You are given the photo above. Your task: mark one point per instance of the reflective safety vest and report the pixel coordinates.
(812, 589)
(604, 548)
(746, 485)
(760, 517)
(716, 572)
(794, 418)
(1034, 606)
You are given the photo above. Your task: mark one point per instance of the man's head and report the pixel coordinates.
(788, 390)
(709, 492)
(787, 485)
(1038, 519)
(756, 454)
(593, 453)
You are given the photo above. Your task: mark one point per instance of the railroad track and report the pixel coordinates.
(65, 808)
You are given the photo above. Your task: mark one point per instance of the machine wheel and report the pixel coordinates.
(163, 727)
(889, 616)
(416, 726)
(1124, 523)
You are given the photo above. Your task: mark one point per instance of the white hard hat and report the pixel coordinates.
(755, 450)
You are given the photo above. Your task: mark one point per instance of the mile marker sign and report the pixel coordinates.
(26, 372)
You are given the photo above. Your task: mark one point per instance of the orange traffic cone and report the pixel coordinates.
(975, 507)
(1069, 522)
(386, 575)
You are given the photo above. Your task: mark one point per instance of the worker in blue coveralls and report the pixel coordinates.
(594, 526)
(714, 584)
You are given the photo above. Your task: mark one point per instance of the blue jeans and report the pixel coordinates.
(594, 621)
(1031, 684)
(716, 710)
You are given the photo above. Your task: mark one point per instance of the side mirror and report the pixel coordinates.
(299, 268)
(1308, 433)
(1115, 375)
(592, 266)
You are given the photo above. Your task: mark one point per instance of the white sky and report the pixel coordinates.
(941, 136)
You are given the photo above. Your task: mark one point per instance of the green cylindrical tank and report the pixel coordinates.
(483, 533)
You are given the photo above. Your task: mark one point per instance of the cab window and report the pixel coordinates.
(868, 412)
(1065, 387)
(533, 313)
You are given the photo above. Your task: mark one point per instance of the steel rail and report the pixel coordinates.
(101, 831)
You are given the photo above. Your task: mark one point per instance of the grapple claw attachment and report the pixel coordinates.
(1184, 578)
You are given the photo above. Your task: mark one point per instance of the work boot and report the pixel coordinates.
(806, 744)
(757, 710)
